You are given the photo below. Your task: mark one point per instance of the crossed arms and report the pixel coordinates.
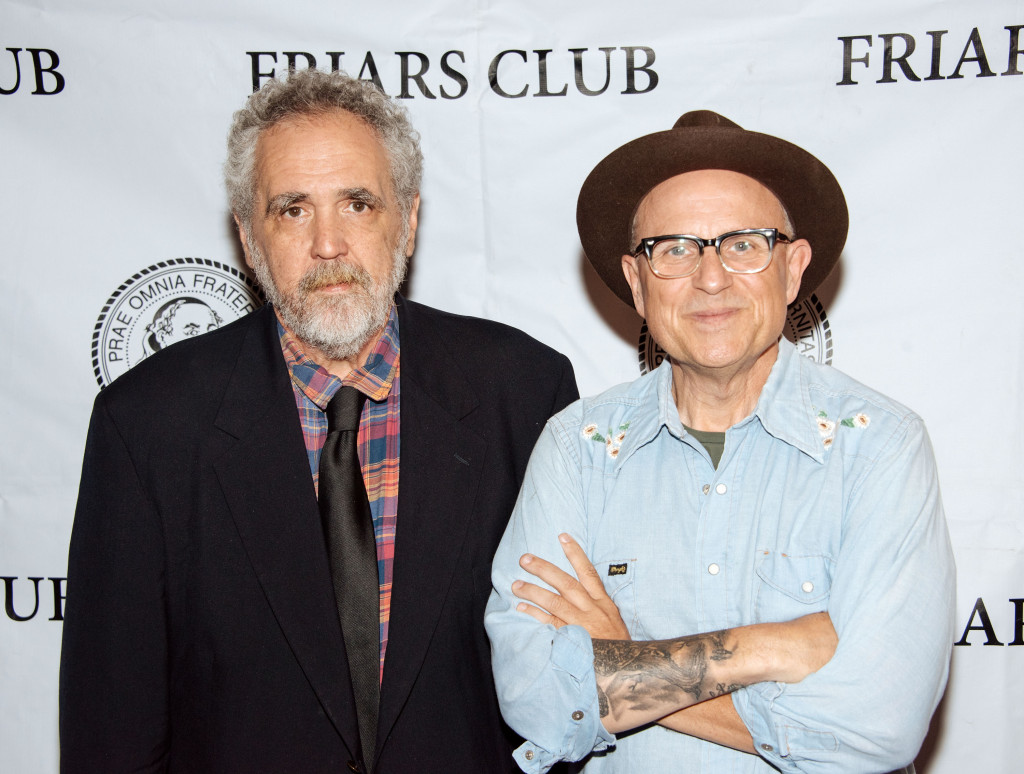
(656, 681)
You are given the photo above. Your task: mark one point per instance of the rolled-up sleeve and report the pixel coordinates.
(544, 677)
(892, 604)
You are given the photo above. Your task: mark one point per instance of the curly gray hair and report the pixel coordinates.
(312, 93)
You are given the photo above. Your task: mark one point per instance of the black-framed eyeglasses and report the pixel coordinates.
(747, 251)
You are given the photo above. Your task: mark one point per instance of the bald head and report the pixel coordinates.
(718, 180)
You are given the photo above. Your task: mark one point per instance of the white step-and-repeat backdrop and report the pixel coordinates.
(113, 116)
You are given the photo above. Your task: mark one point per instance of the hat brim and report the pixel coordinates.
(613, 190)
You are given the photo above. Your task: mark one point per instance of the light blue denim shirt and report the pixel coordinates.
(826, 498)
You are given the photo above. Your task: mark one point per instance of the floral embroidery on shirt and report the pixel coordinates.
(857, 420)
(827, 427)
(612, 441)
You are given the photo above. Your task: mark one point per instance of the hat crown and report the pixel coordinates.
(703, 139)
(704, 118)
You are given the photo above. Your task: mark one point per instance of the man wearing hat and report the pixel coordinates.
(740, 491)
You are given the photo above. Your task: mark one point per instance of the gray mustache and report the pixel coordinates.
(332, 273)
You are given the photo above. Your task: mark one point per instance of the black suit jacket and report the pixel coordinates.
(201, 633)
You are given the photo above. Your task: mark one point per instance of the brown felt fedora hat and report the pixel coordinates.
(702, 139)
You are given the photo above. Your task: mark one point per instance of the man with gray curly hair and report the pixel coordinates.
(238, 601)
(337, 327)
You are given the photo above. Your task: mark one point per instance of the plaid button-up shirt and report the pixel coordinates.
(378, 379)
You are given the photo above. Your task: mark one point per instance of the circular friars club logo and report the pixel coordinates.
(809, 329)
(806, 326)
(165, 303)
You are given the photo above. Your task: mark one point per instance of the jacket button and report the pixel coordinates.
(528, 755)
(577, 715)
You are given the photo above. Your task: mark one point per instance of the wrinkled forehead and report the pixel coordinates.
(712, 196)
(306, 142)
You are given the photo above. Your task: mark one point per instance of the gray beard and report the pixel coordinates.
(338, 325)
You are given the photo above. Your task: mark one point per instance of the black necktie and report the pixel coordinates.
(352, 550)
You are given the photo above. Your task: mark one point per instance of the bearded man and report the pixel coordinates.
(223, 613)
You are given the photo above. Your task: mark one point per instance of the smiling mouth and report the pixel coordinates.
(712, 315)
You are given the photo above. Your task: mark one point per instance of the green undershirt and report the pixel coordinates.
(713, 442)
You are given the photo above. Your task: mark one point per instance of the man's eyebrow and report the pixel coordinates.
(364, 195)
(283, 201)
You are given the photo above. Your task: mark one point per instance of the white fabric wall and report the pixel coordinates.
(115, 168)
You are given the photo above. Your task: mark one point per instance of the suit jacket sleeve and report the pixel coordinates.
(113, 678)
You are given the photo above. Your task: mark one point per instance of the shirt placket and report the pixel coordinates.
(712, 570)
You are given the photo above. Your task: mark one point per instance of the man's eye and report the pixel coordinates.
(293, 212)
(358, 206)
(675, 249)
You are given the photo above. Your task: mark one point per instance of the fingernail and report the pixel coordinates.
(564, 538)
(521, 607)
(517, 585)
(526, 559)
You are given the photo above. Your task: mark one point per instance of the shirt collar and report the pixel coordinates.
(783, 408)
(668, 411)
(655, 408)
(375, 378)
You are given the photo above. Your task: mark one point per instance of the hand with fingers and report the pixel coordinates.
(581, 601)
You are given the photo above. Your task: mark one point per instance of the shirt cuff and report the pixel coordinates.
(777, 739)
(583, 733)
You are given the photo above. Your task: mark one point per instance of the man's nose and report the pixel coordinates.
(711, 276)
(329, 239)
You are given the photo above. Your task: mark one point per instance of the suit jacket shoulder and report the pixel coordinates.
(501, 363)
(194, 373)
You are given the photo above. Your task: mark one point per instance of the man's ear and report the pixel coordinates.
(798, 258)
(244, 237)
(631, 268)
(414, 215)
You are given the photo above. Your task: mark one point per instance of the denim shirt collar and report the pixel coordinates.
(783, 409)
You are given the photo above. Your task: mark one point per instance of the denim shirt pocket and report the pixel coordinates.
(791, 586)
(618, 577)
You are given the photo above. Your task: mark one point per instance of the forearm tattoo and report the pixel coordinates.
(658, 675)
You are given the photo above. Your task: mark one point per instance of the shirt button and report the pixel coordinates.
(577, 715)
(528, 755)
(721, 489)
(713, 568)
(767, 747)
(706, 488)
(808, 587)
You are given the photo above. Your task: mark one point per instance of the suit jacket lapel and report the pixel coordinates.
(440, 467)
(266, 482)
